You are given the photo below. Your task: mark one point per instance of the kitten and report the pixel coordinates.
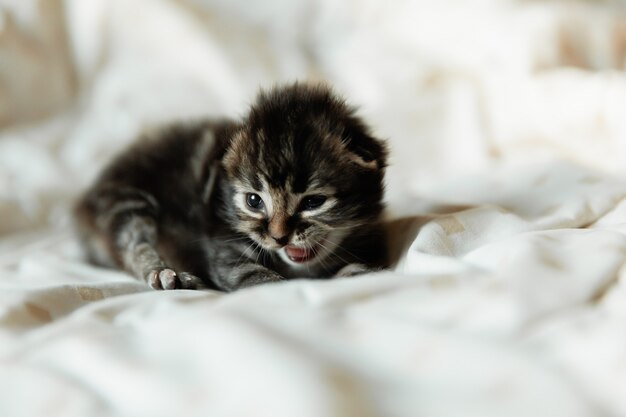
(293, 190)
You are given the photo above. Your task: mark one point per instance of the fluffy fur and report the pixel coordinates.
(295, 189)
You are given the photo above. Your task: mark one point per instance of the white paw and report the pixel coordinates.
(168, 279)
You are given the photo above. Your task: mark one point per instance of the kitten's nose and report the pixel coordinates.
(282, 240)
(278, 230)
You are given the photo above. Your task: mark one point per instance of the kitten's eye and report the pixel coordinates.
(254, 201)
(312, 202)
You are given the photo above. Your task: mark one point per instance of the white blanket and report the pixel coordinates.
(507, 211)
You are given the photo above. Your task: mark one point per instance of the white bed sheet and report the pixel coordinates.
(506, 197)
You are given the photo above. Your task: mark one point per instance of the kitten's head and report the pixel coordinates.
(305, 172)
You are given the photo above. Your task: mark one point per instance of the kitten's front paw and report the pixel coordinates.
(190, 282)
(168, 279)
(351, 270)
(162, 279)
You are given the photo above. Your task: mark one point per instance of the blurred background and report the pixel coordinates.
(456, 86)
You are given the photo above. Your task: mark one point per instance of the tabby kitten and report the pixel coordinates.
(293, 190)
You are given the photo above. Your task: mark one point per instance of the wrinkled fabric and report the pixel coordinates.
(507, 213)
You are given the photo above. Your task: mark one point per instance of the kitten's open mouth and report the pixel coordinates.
(299, 255)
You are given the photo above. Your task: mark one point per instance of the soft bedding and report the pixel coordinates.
(506, 194)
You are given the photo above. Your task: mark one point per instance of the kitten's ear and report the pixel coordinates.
(365, 150)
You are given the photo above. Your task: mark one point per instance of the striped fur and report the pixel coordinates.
(173, 209)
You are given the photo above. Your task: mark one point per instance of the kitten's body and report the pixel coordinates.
(295, 190)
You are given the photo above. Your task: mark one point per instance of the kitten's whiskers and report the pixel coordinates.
(347, 252)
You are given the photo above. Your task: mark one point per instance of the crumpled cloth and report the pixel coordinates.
(506, 215)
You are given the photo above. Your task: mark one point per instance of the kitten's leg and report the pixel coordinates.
(234, 268)
(125, 219)
(248, 275)
(144, 262)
